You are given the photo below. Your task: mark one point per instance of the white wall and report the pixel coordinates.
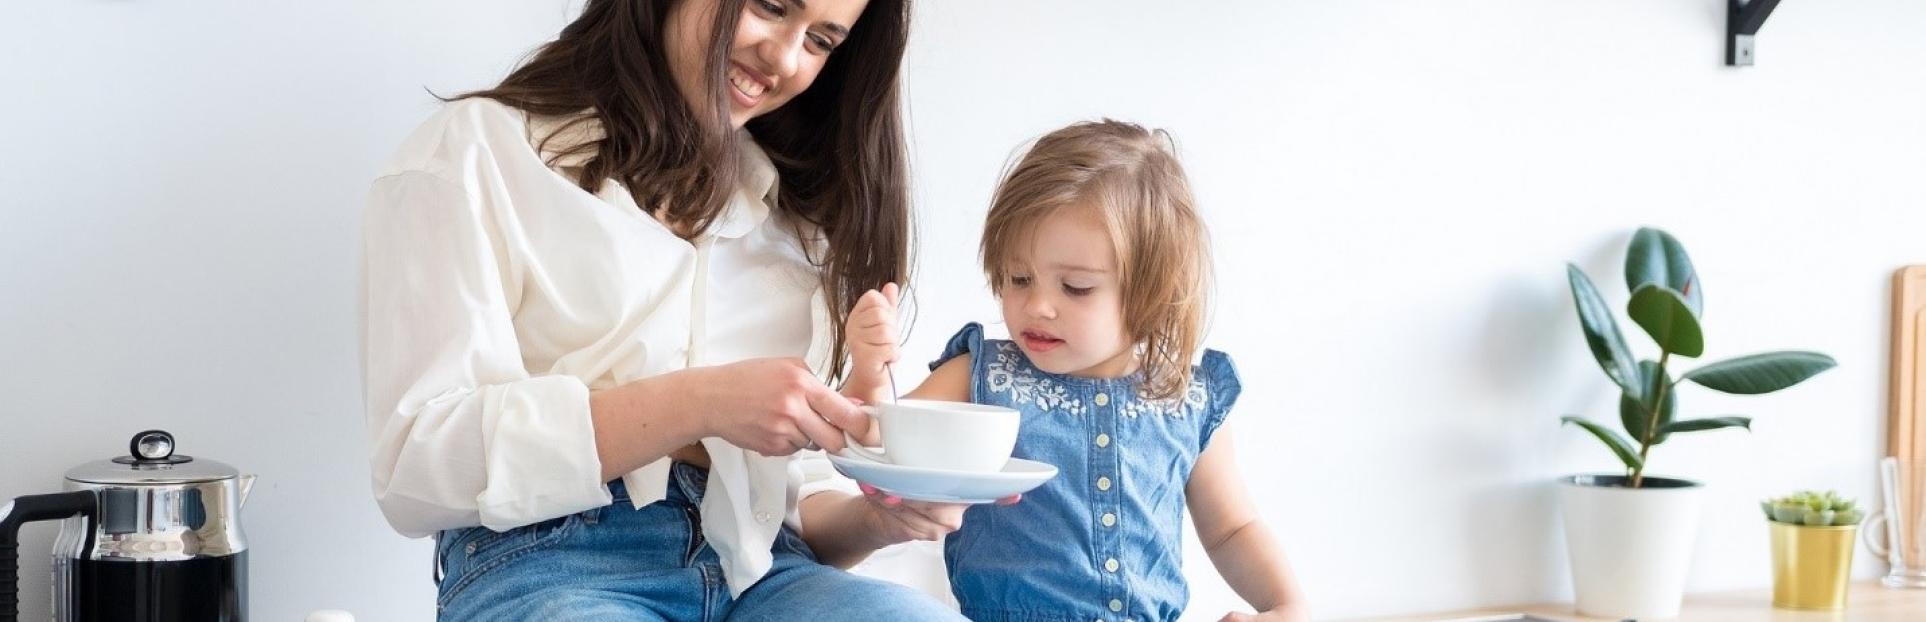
(1394, 187)
(182, 191)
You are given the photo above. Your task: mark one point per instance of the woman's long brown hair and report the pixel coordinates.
(837, 146)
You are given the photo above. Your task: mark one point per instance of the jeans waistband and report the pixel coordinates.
(686, 484)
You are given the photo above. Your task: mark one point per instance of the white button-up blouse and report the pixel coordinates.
(497, 294)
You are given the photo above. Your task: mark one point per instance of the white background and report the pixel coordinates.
(1393, 186)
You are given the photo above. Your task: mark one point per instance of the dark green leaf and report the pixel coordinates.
(1635, 411)
(1601, 331)
(1654, 256)
(1761, 373)
(1614, 440)
(1709, 423)
(1664, 315)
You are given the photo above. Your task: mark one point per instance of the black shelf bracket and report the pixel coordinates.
(1742, 22)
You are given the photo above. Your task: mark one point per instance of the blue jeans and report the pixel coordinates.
(619, 562)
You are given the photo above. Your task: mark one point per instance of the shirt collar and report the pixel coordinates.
(748, 207)
(756, 194)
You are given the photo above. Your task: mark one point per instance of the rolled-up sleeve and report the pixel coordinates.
(810, 473)
(461, 433)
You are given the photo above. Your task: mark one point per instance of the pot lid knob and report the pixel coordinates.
(150, 460)
(152, 445)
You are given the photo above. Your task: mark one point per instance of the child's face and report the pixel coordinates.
(1064, 303)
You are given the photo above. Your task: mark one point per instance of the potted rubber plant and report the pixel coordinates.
(1629, 534)
(1812, 537)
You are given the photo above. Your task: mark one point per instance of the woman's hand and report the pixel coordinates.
(899, 520)
(895, 520)
(771, 406)
(844, 529)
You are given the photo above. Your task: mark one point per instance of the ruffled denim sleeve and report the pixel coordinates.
(969, 341)
(1222, 385)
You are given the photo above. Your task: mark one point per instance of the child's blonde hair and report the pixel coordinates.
(1131, 176)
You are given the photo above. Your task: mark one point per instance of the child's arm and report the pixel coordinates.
(950, 382)
(1238, 542)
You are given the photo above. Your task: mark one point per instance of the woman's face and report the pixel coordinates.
(779, 48)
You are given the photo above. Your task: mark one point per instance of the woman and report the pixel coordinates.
(599, 299)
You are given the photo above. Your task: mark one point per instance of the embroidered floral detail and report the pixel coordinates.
(1193, 401)
(1197, 396)
(1008, 374)
(1161, 408)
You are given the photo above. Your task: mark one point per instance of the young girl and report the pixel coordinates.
(1102, 266)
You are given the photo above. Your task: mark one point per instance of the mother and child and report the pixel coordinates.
(605, 302)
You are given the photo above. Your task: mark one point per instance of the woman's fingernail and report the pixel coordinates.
(893, 500)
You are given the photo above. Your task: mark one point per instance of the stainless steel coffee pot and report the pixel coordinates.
(151, 536)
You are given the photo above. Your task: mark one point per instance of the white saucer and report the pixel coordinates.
(945, 486)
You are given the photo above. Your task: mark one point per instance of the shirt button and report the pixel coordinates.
(1110, 564)
(1103, 440)
(1103, 483)
(1109, 520)
(1103, 399)
(1116, 605)
(764, 517)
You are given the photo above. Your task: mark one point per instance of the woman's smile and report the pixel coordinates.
(747, 86)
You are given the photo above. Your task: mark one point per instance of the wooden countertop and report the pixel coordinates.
(1867, 602)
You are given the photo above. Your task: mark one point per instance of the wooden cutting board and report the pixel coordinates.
(1906, 434)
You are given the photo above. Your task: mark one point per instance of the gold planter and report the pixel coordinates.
(1811, 565)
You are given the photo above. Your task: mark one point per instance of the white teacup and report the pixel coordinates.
(952, 436)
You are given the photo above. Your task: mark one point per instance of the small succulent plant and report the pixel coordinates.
(1812, 509)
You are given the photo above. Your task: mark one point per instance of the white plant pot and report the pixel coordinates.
(1630, 547)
